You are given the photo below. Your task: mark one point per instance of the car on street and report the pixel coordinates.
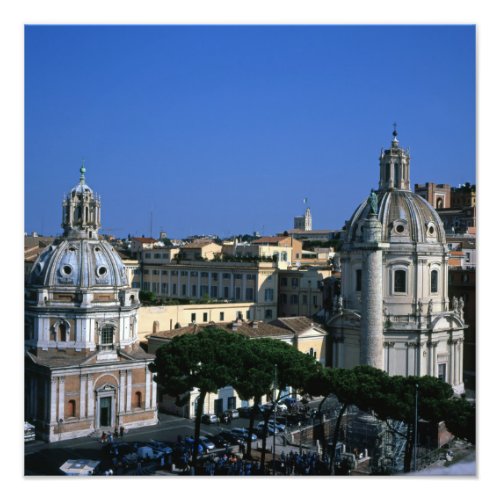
(277, 425)
(219, 441)
(209, 418)
(231, 438)
(207, 444)
(245, 411)
(190, 444)
(239, 431)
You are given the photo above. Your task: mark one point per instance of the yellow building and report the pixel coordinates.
(214, 281)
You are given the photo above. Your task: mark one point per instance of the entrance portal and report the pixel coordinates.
(105, 412)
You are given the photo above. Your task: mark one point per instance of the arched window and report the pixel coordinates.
(399, 281)
(156, 326)
(434, 281)
(62, 332)
(138, 400)
(439, 203)
(71, 408)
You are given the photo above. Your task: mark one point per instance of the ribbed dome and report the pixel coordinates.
(79, 263)
(405, 217)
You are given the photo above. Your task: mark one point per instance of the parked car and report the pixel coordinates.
(271, 423)
(209, 418)
(161, 446)
(190, 444)
(234, 413)
(231, 438)
(270, 430)
(207, 444)
(245, 412)
(239, 431)
(219, 441)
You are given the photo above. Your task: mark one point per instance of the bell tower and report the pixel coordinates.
(81, 211)
(394, 166)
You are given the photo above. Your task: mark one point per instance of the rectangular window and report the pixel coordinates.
(175, 273)
(215, 276)
(442, 371)
(204, 274)
(174, 289)
(251, 277)
(283, 298)
(221, 316)
(226, 292)
(231, 403)
(183, 290)
(248, 314)
(237, 293)
(268, 294)
(156, 272)
(193, 317)
(213, 292)
(146, 271)
(358, 280)
(147, 255)
(304, 299)
(238, 276)
(226, 276)
(294, 299)
(205, 317)
(204, 290)
(315, 300)
(284, 282)
(135, 284)
(157, 256)
(184, 273)
(163, 288)
(193, 290)
(295, 282)
(400, 281)
(194, 273)
(434, 281)
(249, 294)
(164, 273)
(268, 314)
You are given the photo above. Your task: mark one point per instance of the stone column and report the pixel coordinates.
(153, 393)
(129, 390)
(90, 396)
(61, 399)
(372, 318)
(121, 396)
(82, 396)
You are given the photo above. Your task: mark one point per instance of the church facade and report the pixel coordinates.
(393, 311)
(84, 368)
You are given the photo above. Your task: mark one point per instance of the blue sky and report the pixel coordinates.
(225, 129)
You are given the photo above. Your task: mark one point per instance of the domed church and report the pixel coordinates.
(85, 370)
(393, 311)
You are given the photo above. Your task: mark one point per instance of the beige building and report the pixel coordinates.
(200, 250)
(301, 290)
(215, 281)
(306, 336)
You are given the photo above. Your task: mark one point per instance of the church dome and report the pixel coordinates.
(405, 217)
(80, 259)
(79, 263)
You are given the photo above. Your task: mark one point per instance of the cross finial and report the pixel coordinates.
(395, 133)
(82, 172)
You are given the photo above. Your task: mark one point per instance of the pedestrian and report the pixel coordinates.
(122, 430)
(115, 434)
